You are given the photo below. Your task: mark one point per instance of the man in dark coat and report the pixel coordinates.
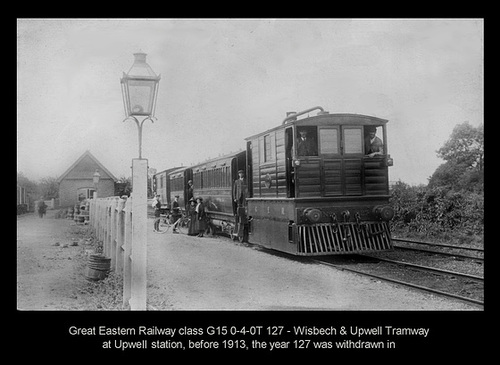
(240, 189)
(305, 145)
(176, 213)
(42, 208)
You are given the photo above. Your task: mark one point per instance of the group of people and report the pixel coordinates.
(197, 215)
(195, 211)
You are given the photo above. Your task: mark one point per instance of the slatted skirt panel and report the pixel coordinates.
(343, 238)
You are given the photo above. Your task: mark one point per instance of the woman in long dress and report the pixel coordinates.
(200, 225)
(191, 213)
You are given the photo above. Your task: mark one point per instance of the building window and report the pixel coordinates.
(84, 193)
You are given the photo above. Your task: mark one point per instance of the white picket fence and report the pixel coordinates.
(111, 221)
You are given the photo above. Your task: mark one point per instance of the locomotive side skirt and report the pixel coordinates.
(270, 222)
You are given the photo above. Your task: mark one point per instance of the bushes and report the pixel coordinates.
(452, 204)
(437, 211)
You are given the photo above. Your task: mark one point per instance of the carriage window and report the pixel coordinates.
(353, 141)
(328, 141)
(267, 148)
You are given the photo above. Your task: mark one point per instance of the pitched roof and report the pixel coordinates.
(87, 154)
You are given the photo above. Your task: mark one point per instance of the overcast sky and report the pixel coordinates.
(224, 80)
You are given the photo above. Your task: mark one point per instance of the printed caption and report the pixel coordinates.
(264, 338)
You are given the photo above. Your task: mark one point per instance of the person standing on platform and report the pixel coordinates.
(200, 225)
(191, 213)
(157, 206)
(240, 190)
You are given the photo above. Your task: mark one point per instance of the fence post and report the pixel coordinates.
(127, 249)
(119, 235)
(91, 213)
(112, 232)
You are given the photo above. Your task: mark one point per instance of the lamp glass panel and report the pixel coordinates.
(141, 93)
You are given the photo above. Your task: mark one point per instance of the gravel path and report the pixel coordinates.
(191, 273)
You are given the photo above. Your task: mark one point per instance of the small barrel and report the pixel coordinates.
(98, 267)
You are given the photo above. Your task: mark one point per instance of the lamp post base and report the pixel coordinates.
(138, 255)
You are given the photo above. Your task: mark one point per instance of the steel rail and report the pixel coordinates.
(420, 287)
(439, 245)
(427, 268)
(438, 252)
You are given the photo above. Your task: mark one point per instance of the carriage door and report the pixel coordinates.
(249, 169)
(352, 151)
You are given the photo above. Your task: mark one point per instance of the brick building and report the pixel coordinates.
(77, 182)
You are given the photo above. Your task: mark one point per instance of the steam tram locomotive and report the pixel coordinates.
(330, 199)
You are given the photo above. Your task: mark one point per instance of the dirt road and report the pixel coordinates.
(49, 267)
(191, 273)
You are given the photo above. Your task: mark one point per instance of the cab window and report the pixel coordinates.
(353, 140)
(307, 141)
(328, 141)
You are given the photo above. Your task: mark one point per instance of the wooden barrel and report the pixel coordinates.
(98, 267)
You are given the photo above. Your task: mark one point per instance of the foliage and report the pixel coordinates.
(457, 176)
(452, 204)
(463, 153)
(48, 187)
(438, 210)
(123, 186)
(24, 181)
(465, 146)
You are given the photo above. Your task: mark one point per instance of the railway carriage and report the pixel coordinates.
(178, 186)
(161, 186)
(213, 181)
(332, 200)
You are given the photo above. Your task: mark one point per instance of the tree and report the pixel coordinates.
(123, 186)
(465, 146)
(31, 187)
(48, 187)
(464, 156)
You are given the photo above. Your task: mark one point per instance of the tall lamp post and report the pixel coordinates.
(139, 90)
(93, 212)
(95, 178)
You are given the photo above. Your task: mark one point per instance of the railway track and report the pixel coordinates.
(427, 268)
(414, 270)
(400, 282)
(422, 277)
(438, 249)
